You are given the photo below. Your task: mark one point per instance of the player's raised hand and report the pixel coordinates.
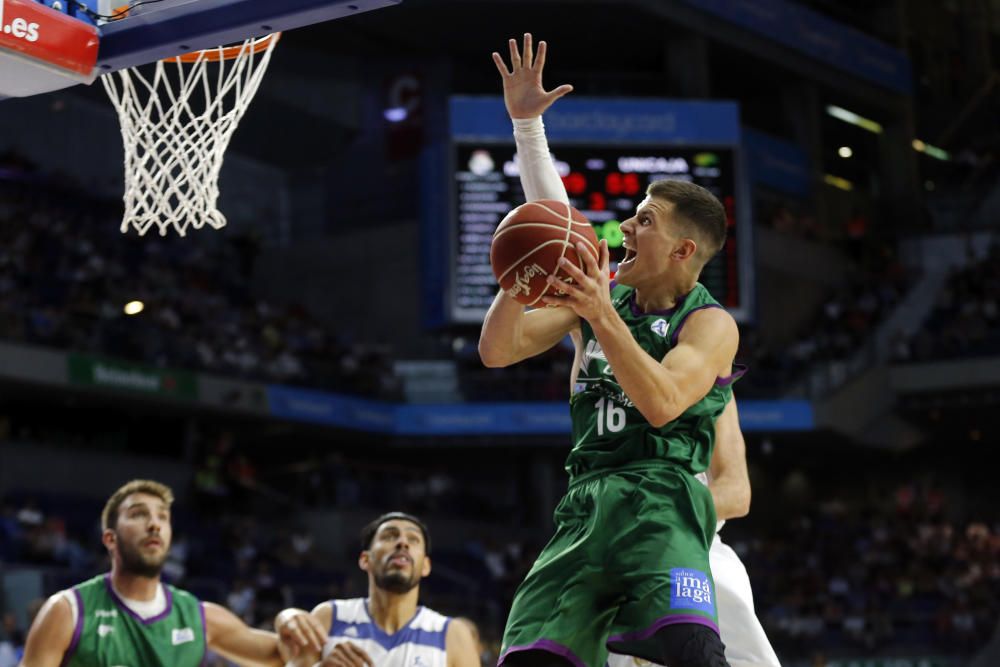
(523, 92)
(589, 292)
(346, 654)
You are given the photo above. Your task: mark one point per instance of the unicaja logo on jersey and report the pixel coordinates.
(590, 353)
(660, 327)
(182, 636)
(18, 27)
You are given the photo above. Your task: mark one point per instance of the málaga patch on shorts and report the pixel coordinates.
(691, 589)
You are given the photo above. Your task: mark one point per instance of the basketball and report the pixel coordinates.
(530, 241)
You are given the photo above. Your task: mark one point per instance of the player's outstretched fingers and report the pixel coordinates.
(528, 51)
(515, 56)
(540, 56)
(501, 66)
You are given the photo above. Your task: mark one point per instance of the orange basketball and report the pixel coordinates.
(529, 243)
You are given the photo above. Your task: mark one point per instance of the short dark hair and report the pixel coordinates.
(698, 207)
(368, 532)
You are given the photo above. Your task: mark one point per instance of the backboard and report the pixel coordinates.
(171, 27)
(51, 44)
(207, 59)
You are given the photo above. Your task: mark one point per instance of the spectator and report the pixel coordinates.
(65, 273)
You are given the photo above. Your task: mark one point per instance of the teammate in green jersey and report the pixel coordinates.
(128, 617)
(627, 569)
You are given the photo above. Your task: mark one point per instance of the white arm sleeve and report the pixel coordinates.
(538, 174)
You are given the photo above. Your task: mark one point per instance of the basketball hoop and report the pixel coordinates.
(176, 123)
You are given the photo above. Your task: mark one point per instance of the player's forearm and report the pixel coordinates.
(729, 480)
(272, 661)
(643, 378)
(731, 496)
(270, 657)
(267, 657)
(501, 332)
(539, 177)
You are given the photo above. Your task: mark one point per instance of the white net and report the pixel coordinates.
(176, 122)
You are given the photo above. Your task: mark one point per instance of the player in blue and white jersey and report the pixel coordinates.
(388, 628)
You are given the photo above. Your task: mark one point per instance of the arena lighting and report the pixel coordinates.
(395, 114)
(845, 152)
(931, 151)
(134, 307)
(854, 119)
(838, 182)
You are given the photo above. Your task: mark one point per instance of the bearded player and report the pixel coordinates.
(128, 616)
(388, 628)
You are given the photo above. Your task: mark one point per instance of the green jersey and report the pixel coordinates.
(109, 634)
(608, 430)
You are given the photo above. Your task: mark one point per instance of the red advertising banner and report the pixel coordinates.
(46, 35)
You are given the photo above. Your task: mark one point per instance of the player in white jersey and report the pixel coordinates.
(746, 643)
(388, 628)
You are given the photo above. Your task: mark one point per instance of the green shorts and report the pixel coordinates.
(630, 556)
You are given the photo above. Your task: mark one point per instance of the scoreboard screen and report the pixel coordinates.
(604, 182)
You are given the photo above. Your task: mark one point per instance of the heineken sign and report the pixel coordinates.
(131, 377)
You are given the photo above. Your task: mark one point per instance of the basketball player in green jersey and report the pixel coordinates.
(628, 567)
(128, 617)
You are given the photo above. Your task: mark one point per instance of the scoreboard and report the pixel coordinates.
(606, 152)
(604, 183)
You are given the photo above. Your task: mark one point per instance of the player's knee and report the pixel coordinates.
(690, 645)
(535, 658)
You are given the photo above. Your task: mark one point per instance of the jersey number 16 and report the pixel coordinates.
(610, 417)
